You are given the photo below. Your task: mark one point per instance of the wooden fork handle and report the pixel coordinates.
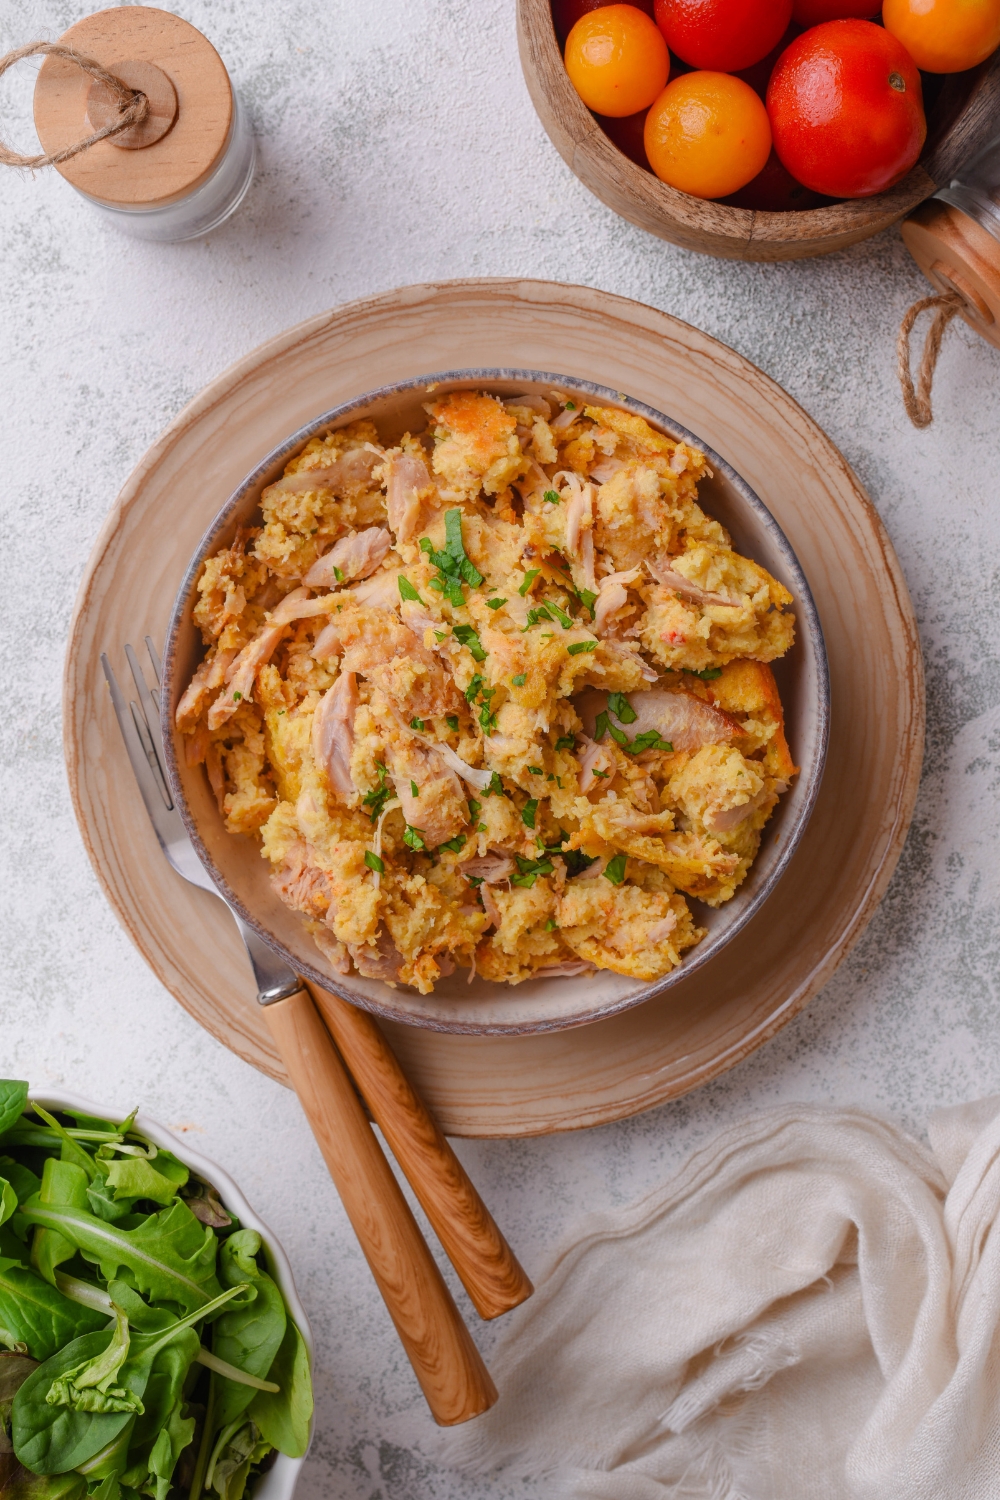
(446, 1362)
(489, 1269)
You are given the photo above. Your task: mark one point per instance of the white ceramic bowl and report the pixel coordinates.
(279, 1482)
(234, 861)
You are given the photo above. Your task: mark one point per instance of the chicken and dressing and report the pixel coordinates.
(495, 698)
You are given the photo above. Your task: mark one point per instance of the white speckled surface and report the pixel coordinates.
(397, 143)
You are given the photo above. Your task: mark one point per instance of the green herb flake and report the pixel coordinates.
(622, 709)
(456, 547)
(374, 863)
(709, 674)
(474, 807)
(577, 648)
(495, 788)
(413, 838)
(529, 579)
(528, 870)
(588, 599)
(481, 828)
(565, 742)
(650, 739)
(536, 770)
(376, 799)
(570, 406)
(520, 679)
(417, 724)
(614, 870)
(414, 789)
(495, 603)
(551, 496)
(452, 721)
(468, 637)
(407, 591)
(551, 925)
(456, 844)
(577, 861)
(474, 879)
(440, 635)
(237, 697)
(338, 574)
(529, 812)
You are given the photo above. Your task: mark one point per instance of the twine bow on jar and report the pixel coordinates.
(917, 399)
(133, 105)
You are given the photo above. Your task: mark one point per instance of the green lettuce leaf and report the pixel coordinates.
(35, 1314)
(284, 1418)
(13, 1100)
(247, 1337)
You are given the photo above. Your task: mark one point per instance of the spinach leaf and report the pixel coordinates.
(50, 1437)
(247, 1337)
(169, 1445)
(169, 1255)
(23, 1485)
(23, 1181)
(284, 1417)
(63, 1184)
(111, 1459)
(35, 1314)
(8, 1200)
(13, 1100)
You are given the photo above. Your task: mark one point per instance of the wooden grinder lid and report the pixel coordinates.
(187, 127)
(958, 255)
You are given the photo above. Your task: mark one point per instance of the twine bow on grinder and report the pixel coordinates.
(131, 105)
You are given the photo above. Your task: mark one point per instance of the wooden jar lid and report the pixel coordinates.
(191, 107)
(958, 255)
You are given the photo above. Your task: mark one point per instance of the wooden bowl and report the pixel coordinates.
(483, 1008)
(961, 118)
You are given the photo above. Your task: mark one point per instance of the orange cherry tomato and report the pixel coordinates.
(566, 13)
(945, 36)
(723, 35)
(846, 109)
(617, 60)
(707, 134)
(815, 12)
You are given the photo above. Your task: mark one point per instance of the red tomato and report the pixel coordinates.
(815, 12)
(627, 134)
(566, 13)
(722, 36)
(846, 109)
(775, 191)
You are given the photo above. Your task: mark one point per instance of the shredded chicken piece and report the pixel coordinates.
(664, 574)
(568, 969)
(491, 868)
(355, 556)
(687, 722)
(594, 760)
(474, 775)
(490, 906)
(533, 403)
(381, 961)
(241, 673)
(298, 606)
(333, 733)
(208, 678)
(352, 468)
(407, 482)
(612, 596)
(381, 591)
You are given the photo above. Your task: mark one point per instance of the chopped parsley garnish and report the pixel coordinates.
(551, 496)
(528, 870)
(374, 863)
(453, 565)
(555, 612)
(474, 686)
(576, 648)
(407, 591)
(495, 603)
(602, 774)
(474, 879)
(614, 870)
(520, 679)
(413, 837)
(457, 843)
(622, 709)
(529, 579)
(565, 742)
(474, 807)
(577, 861)
(451, 720)
(469, 639)
(417, 724)
(529, 812)
(414, 789)
(376, 799)
(338, 574)
(709, 674)
(439, 635)
(570, 406)
(536, 770)
(650, 739)
(237, 697)
(495, 788)
(550, 777)
(588, 599)
(550, 925)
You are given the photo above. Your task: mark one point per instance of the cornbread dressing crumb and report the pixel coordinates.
(497, 698)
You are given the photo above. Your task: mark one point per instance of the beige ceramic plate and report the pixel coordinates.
(481, 1008)
(532, 1084)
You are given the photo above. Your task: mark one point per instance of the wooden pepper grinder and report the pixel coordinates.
(955, 239)
(187, 165)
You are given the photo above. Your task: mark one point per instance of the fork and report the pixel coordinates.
(447, 1364)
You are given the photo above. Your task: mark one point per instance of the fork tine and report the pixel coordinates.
(151, 714)
(153, 792)
(154, 658)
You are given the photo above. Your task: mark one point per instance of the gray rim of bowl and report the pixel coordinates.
(337, 415)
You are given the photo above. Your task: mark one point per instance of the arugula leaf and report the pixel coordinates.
(138, 1178)
(284, 1417)
(170, 1443)
(37, 1315)
(22, 1180)
(70, 1150)
(13, 1102)
(63, 1184)
(247, 1337)
(470, 639)
(8, 1200)
(614, 870)
(171, 1257)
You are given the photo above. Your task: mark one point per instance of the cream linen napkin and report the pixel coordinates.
(807, 1312)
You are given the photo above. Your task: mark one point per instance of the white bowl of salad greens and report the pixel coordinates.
(151, 1340)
